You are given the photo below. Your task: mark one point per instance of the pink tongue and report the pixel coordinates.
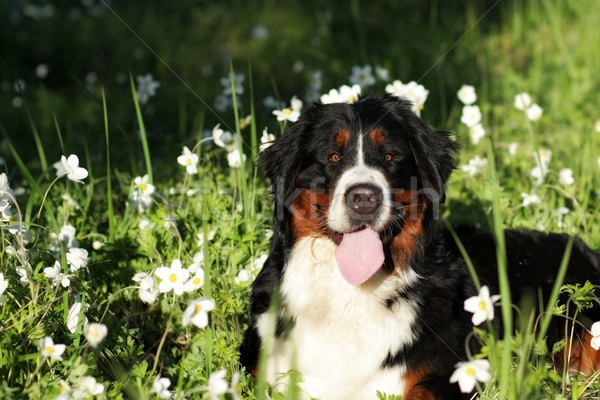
(359, 255)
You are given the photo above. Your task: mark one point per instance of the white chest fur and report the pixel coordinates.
(342, 333)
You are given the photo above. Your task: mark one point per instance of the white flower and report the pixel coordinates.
(565, 177)
(235, 158)
(346, 94)
(471, 115)
(95, 333)
(77, 258)
(146, 87)
(195, 282)
(24, 275)
(87, 387)
(522, 101)
(51, 350)
(291, 113)
(217, 385)
(243, 277)
(542, 160)
(70, 167)
(161, 387)
(382, 73)
(482, 305)
(529, 199)
(412, 91)
(512, 148)
(258, 262)
(3, 287)
(595, 331)
(65, 390)
(362, 76)
(6, 193)
(73, 317)
(266, 140)
(238, 81)
(147, 288)
(142, 193)
(209, 237)
(222, 102)
(189, 160)
(223, 138)
(67, 236)
(197, 262)
(172, 278)
(468, 373)
(197, 313)
(466, 94)
(534, 112)
(476, 132)
(474, 166)
(560, 213)
(56, 276)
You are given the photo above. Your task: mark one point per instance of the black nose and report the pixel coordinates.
(363, 199)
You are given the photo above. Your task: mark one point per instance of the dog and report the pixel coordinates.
(363, 291)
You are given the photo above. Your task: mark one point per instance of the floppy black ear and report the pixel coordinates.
(434, 153)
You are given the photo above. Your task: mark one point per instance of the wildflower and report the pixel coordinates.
(542, 160)
(238, 81)
(197, 313)
(346, 94)
(70, 167)
(222, 102)
(291, 113)
(466, 94)
(67, 237)
(522, 101)
(172, 278)
(534, 112)
(73, 317)
(217, 385)
(482, 305)
(362, 76)
(468, 373)
(64, 390)
(142, 193)
(243, 277)
(24, 275)
(3, 287)
(197, 262)
(77, 258)
(595, 331)
(512, 148)
(161, 387)
(235, 158)
(6, 192)
(266, 140)
(95, 333)
(189, 160)
(195, 282)
(147, 292)
(316, 81)
(260, 32)
(560, 213)
(223, 138)
(529, 199)
(411, 91)
(258, 262)
(87, 387)
(382, 73)
(51, 350)
(476, 132)
(565, 177)
(474, 166)
(201, 237)
(270, 102)
(56, 276)
(471, 115)
(145, 223)
(146, 87)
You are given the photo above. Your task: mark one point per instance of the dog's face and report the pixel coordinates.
(372, 166)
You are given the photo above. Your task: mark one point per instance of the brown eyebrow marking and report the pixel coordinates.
(342, 138)
(377, 136)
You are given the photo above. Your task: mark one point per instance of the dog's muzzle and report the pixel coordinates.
(363, 201)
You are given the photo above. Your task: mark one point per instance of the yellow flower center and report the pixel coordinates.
(173, 278)
(197, 281)
(143, 187)
(470, 371)
(198, 308)
(287, 111)
(482, 305)
(49, 350)
(189, 161)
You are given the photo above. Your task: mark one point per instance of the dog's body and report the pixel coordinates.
(367, 292)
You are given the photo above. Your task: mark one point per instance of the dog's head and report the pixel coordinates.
(371, 170)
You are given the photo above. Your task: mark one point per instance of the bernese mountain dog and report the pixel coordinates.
(363, 291)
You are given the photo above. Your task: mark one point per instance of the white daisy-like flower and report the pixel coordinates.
(73, 317)
(161, 387)
(147, 289)
(95, 333)
(236, 159)
(522, 101)
(146, 87)
(565, 177)
(529, 199)
(266, 140)
(217, 385)
(77, 258)
(466, 94)
(189, 160)
(196, 313)
(534, 112)
(512, 148)
(474, 166)
(56, 276)
(223, 138)
(87, 386)
(471, 115)
(243, 277)
(142, 193)
(476, 133)
(345, 94)
(172, 278)
(468, 373)
(482, 305)
(412, 91)
(195, 282)
(70, 167)
(51, 350)
(362, 76)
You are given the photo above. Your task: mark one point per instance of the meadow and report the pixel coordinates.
(134, 217)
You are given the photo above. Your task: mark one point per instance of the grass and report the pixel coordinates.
(547, 49)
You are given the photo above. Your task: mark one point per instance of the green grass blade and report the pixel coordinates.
(110, 209)
(143, 136)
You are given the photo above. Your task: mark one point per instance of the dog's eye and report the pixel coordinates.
(389, 157)
(334, 157)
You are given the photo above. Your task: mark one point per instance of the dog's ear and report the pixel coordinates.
(434, 152)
